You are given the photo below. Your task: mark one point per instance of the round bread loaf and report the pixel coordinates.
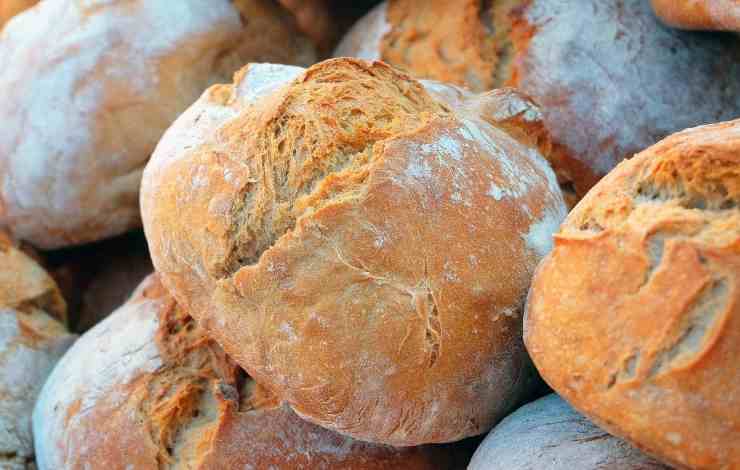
(549, 434)
(610, 79)
(359, 241)
(32, 339)
(722, 15)
(161, 394)
(635, 315)
(81, 119)
(10, 8)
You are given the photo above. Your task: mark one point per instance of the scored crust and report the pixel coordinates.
(720, 15)
(350, 236)
(634, 317)
(610, 79)
(82, 118)
(32, 338)
(161, 394)
(550, 434)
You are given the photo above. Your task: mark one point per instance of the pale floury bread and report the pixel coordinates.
(81, 119)
(635, 315)
(32, 339)
(611, 79)
(721, 15)
(148, 389)
(359, 241)
(549, 434)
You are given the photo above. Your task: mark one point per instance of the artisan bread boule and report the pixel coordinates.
(358, 241)
(81, 119)
(721, 15)
(635, 315)
(610, 78)
(549, 434)
(148, 389)
(32, 338)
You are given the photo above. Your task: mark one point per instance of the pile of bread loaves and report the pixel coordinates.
(369, 247)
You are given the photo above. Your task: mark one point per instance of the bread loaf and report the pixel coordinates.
(721, 15)
(81, 119)
(32, 338)
(358, 241)
(147, 389)
(549, 434)
(10, 8)
(635, 315)
(610, 79)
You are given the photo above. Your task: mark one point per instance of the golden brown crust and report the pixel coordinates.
(605, 73)
(717, 15)
(634, 317)
(191, 408)
(338, 236)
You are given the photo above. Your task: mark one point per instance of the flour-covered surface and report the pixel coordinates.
(550, 434)
(610, 78)
(147, 389)
(340, 237)
(91, 86)
(32, 339)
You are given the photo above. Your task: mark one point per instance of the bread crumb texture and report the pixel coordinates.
(162, 395)
(82, 117)
(610, 79)
(719, 15)
(550, 434)
(634, 315)
(350, 235)
(32, 338)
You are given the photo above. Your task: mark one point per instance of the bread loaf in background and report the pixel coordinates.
(718, 15)
(611, 80)
(32, 338)
(81, 119)
(635, 315)
(10, 8)
(549, 434)
(148, 389)
(359, 241)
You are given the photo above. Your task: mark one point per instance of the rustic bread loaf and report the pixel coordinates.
(722, 15)
(148, 389)
(81, 119)
(611, 80)
(32, 338)
(635, 315)
(10, 8)
(359, 241)
(549, 434)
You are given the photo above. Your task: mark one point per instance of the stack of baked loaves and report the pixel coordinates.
(367, 262)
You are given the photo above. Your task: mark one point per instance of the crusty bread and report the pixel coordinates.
(610, 79)
(10, 8)
(635, 315)
(359, 241)
(718, 15)
(549, 434)
(147, 389)
(81, 119)
(32, 338)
